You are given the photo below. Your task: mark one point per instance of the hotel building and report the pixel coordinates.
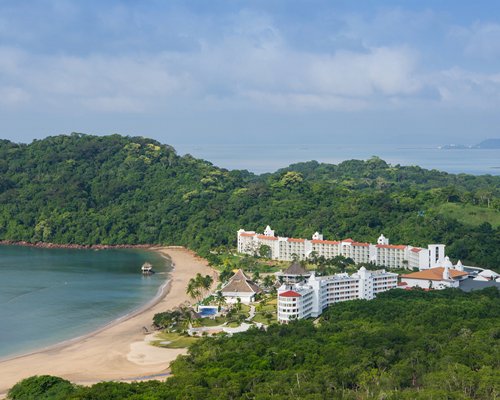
(382, 253)
(309, 299)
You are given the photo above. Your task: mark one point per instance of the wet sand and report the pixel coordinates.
(118, 351)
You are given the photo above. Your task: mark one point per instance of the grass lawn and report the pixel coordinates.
(233, 324)
(261, 319)
(245, 309)
(267, 308)
(176, 340)
(470, 214)
(210, 322)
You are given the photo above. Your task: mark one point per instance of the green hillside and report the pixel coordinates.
(126, 190)
(469, 214)
(440, 345)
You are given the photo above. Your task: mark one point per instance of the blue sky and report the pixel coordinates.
(237, 72)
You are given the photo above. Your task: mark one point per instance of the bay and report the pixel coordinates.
(52, 295)
(268, 157)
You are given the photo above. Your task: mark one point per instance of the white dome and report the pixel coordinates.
(447, 262)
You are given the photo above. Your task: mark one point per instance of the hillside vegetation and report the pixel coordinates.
(441, 345)
(127, 190)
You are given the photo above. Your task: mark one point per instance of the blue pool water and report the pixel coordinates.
(207, 311)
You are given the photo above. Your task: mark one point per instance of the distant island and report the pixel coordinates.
(485, 144)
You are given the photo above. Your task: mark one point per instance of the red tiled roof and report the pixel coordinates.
(296, 240)
(264, 237)
(391, 246)
(247, 234)
(348, 240)
(360, 244)
(434, 274)
(416, 249)
(324, 242)
(290, 293)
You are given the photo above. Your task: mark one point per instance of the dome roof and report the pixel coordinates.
(447, 262)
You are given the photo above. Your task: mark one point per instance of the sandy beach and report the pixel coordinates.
(120, 351)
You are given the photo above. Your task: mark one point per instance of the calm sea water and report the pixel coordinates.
(261, 158)
(50, 295)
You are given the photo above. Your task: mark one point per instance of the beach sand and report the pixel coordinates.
(120, 350)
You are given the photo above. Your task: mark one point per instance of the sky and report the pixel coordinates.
(245, 72)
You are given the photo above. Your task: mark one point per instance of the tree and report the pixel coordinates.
(265, 251)
(192, 289)
(225, 275)
(268, 281)
(220, 300)
(42, 387)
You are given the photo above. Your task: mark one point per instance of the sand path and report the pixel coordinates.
(118, 352)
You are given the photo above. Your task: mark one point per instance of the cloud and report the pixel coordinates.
(96, 82)
(481, 40)
(245, 58)
(465, 89)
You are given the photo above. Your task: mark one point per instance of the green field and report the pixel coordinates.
(470, 214)
(176, 340)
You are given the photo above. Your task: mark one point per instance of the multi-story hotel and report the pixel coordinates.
(310, 298)
(382, 253)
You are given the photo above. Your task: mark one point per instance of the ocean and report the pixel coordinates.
(52, 295)
(261, 158)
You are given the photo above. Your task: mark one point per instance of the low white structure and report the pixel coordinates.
(446, 276)
(487, 275)
(295, 273)
(240, 287)
(382, 253)
(310, 298)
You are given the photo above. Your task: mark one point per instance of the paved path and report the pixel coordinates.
(251, 313)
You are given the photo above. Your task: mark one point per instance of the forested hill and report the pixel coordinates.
(125, 190)
(404, 345)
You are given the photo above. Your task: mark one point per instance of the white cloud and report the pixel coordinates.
(97, 82)
(481, 40)
(464, 89)
(250, 62)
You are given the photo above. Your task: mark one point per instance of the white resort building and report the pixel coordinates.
(311, 297)
(442, 277)
(382, 253)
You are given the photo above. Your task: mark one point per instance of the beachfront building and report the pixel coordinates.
(382, 253)
(442, 277)
(309, 299)
(240, 287)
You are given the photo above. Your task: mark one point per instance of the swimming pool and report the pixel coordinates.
(207, 311)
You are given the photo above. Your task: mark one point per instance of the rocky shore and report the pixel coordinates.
(45, 245)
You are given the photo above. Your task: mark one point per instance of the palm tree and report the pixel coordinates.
(220, 299)
(186, 316)
(203, 282)
(268, 281)
(192, 289)
(207, 282)
(225, 274)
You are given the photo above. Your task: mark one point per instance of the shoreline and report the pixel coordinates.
(118, 350)
(47, 245)
(159, 296)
